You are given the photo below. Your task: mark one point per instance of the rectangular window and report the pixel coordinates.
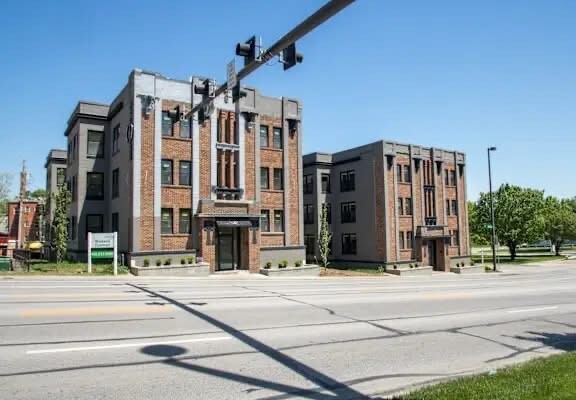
(264, 179)
(277, 138)
(408, 205)
(278, 179)
(115, 222)
(166, 172)
(95, 144)
(185, 128)
(455, 239)
(94, 186)
(185, 221)
(399, 173)
(167, 127)
(185, 175)
(454, 207)
(328, 212)
(308, 184)
(278, 221)
(264, 136)
(400, 206)
(448, 207)
(453, 177)
(310, 243)
(94, 223)
(348, 212)
(409, 239)
(60, 176)
(166, 221)
(74, 189)
(116, 139)
(265, 222)
(115, 183)
(308, 213)
(325, 183)
(347, 181)
(74, 147)
(348, 243)
(401, 242)
(446, 177)
(407, 174)
(74, 227)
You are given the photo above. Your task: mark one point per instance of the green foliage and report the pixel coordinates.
(5, 182)
(297, 263)
(382, 268)
(62, 200)
(39, 194)
(268, 265)
(518, 213)
(325, 236)
(283, 264)
(479, 233)
(168, 261)
(191, 260)
(560, 222)
(158, 262)
(146, 262)
(183, 261)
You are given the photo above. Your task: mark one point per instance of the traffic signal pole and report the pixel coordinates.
(323, 14)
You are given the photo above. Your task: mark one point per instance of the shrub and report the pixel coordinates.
(268, 265)
(471, 263)
(183, 261)
(158, 262)
(411, 265)
(168, 261)
(487, 268)
(395, 266)
(146, 262)
(297, 263)
(283, 264)
(382, 268)
(191, 260)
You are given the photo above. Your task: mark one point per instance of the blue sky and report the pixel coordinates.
(451, 74)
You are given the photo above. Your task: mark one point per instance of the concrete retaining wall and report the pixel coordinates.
(289, 272)
(200, 269)
(277, 254)
(137, 259)
(410, 271)
(477, 269)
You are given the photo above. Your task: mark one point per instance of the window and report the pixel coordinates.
(401, 242)
(116, 139)
(277, 138)
(185, 221)
(94, 223)
(69, 153)
(447, 178)
(347, 181)
(115, 218)
(348, 212)
(166, 221)
(185, 175)
(264, 136)
(348, 243)
(408, 205)
(310, 243)
(308, 213)
(399, 173)
(60, 176)
(73, 188)
(454, 238)
(95, 144)
(278, 179)
(166, 172)
(400, 206)
(454, 207)
(325, 183)
(115, 183)
(264, 181)
(308, 184)
(184, 128)
(409, 239)
(328, 212)
(278, 221)
(452, 177)
(94, 186)
(26, 209)
(448, 207)
(265, 222)
(166, 124)
(407, 174)
(403, 173)
(74, 227)
(74, 146)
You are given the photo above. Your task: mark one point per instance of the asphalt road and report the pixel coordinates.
(259, 338)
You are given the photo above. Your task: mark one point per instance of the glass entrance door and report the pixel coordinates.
(227, 249)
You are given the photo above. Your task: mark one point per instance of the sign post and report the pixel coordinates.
(231, 74)
(103, 246)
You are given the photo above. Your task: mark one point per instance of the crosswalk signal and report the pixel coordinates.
(291, 57)
(248, 50)
(238, 93)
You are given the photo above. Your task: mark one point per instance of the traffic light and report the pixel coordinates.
(290, 56)
(238, 93)
(206, 88)
(248, 50)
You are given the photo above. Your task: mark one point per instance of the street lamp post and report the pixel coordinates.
(490, 149)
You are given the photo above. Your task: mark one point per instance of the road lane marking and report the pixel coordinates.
(120, 346)
(533, 309)
(96, 311)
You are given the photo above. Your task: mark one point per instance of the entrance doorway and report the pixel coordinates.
(432, 257)
(227, 248)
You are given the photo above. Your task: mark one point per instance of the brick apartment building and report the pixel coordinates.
(222, 184)
(389, 203)
(24, 223)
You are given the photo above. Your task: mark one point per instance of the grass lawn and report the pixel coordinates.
(521, 258)
(40, 267)
(551, 378)
(352, 268)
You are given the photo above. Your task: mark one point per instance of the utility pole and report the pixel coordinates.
(21, 205)
(490, 149)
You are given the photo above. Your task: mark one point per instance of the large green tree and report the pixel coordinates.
(560, 222)
(518, 213)
(479, 233)
(5, 182)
